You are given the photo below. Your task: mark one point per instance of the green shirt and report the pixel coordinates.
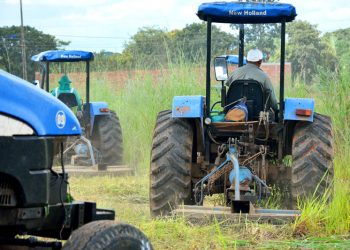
(251, 71)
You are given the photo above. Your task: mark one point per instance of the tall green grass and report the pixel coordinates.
(139, 102)
(332, 96)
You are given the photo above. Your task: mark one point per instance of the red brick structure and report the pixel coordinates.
(273, 70)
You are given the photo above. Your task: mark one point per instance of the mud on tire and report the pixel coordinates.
(171, 159)
(312, 158)
(107, 235)
(107, 138)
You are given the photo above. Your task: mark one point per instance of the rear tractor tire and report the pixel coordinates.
(171, 161)
(108, 140)
(312, 151)
(107, 235)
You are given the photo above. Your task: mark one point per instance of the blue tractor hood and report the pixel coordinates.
(63, 56)
(246, 12)
(45, 114)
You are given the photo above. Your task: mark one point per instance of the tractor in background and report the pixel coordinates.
(196, 152)
(101, 142)
(34, 198)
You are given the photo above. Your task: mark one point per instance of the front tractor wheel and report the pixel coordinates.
(103, 235)
(171, 161)
(312, 151)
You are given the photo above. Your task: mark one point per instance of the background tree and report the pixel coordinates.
(159, 47)
(192, 41)
(148, 47)
(307, 52)
(339, 41)
(35, 42)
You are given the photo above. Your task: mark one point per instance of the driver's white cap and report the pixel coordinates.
(254, 55)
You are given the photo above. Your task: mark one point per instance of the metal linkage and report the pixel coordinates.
(30, 242)
(88, 143)
(200, 185)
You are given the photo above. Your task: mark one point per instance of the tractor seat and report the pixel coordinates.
(69, 99)
(254, 93)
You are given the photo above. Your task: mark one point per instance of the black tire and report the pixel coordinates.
(108, 140)
(98, 235)
(312, 153)
(171, 160)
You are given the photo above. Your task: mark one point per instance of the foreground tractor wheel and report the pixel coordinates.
(107, 138)
(312, 158)
(171, 159)
(105, 235)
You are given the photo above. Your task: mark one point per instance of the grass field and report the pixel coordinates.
(137, 102)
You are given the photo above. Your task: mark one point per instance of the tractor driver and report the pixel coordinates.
(252, 71)
(65, 88)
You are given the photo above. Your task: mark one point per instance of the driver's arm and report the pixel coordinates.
(268, 85)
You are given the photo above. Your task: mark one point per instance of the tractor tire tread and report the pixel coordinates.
(312, 154)
(104, 234)
(107, 138)
(171, 159)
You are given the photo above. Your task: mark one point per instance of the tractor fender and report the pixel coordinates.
(299, 109)
(191, 107)
(97, 109)
(188, 107)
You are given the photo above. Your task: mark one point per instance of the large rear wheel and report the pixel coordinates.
(107, 235)
(108, 140)
(171, 161)
(312, 169)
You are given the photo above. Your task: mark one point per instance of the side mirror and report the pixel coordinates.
(220, 65)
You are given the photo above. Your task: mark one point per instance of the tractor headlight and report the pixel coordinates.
(207, 121)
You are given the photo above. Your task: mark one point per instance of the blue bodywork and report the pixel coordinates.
(45, 114)
(95, 108)
(246, 12)
(95, 111)
(292, 104)
(245, 175)
(63, 56)
(188, 107)
(234, 59)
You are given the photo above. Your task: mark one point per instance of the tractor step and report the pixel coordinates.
(201, 215)
(91, 171)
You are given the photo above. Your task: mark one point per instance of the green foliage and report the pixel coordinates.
(307, 52)
(192, 41)
(339, 40)
(148, 45)
(158, 47)
(35, 42)
(261, 36)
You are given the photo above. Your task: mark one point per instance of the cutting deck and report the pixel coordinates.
(200, 215)
(91, 171)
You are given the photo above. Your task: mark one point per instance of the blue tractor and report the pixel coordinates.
(101, 142)
(34, 198)
(198, 152)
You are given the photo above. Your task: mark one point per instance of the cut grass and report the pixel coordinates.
(128, 196)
